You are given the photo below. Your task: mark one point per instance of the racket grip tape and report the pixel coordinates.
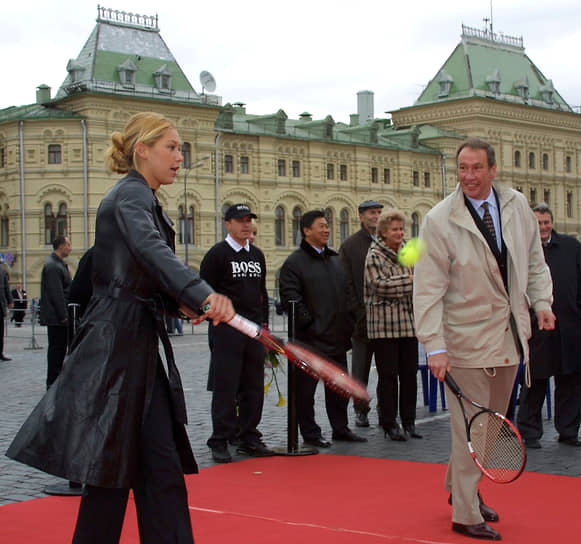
(239, 323)
(451, 383)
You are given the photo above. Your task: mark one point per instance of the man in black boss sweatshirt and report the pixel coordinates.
(237, 269)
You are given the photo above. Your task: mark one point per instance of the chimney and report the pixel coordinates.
(353, 119)
(42, 94)
(365, 106)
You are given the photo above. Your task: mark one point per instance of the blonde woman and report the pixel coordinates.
(390, 327)
(114, 418)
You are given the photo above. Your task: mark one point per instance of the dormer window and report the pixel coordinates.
(547, 91)
(163, 78)
(75, 70)
(127, 73)
(445, 82)
(522, 88)
(493, 82)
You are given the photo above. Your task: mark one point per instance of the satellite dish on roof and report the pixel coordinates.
(208, 82)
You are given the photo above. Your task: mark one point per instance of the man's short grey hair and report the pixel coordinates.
(542, 207)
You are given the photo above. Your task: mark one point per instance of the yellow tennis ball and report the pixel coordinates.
(411, 253)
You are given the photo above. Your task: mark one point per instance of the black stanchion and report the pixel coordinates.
(33, 319)
(293, 447)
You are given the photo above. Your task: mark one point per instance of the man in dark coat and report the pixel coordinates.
(20, 304)
(55, 282)
(556, 353)
(353, 252)
(315, 278)
(5, 302)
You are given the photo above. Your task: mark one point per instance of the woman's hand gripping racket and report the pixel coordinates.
(494, 442)
(308, 361)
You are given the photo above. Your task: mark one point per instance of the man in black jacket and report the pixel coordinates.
(237, 269)
(5, 302)
(54, 291)
(557, 352)
(315, 278)
(353, 252)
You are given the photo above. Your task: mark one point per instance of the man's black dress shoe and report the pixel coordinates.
(361, 420)
(318, 442)
(395, 433)
(533, 443)
(255, 449)
(347, 435)
(220, 453)
(4, 358)
(485, 511)
(562, 439)
(480, 530)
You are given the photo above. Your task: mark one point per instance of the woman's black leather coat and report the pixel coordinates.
(87, 426)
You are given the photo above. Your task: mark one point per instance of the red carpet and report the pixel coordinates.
(328, 499)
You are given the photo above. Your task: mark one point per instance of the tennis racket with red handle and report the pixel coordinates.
(320, 368)
(494, 442)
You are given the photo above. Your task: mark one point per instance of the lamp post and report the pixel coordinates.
(186, 224)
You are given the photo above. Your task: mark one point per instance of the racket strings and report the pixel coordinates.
(496, 446)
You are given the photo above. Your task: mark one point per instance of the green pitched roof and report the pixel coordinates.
(126, 55)
(35, 111)
(488, 65)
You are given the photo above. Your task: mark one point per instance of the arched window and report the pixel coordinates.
(329, 218)
(545, 161)
(415, 224)
(186, 225)
(49, 224)
(4, 229)
(279, 226)
(517, 159)
(344, 225)
(62, 221)
(531, 160)
(224, 210)
(297, 235)
(187, 153)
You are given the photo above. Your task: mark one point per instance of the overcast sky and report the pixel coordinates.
(298, 55)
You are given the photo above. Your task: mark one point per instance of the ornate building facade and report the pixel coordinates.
(52, 174)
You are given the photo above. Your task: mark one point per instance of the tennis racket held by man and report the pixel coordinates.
(494, 442)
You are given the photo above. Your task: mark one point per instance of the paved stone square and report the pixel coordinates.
(22, 383)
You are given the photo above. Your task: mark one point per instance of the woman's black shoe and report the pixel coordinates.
(410, 431)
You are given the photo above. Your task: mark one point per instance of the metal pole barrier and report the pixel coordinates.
(293, 447)
(33, 317)
(73, 309)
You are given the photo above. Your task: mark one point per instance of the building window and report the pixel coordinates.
(374, 175)
(62, 221)
(49, 224)
(343, 172)
(545, 161)
(54, 154)
(279, 226)
(163, 78)
(228, 164)
(186, 235)
(569, 204)
(547, 197)
(568, 164)
(416, 178)
(415, 224)
(4, 229)
(517, 159)
(533, 198)
(343, 225)
(329, 218)
(187, 154)
(518, 188)
(224, 210)
(2, 157)
(531, 160)
(427, 181)
(330, 171)
(296, 226)
(281, 167)
(386, 176)
(244, 165)
(296, 166)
